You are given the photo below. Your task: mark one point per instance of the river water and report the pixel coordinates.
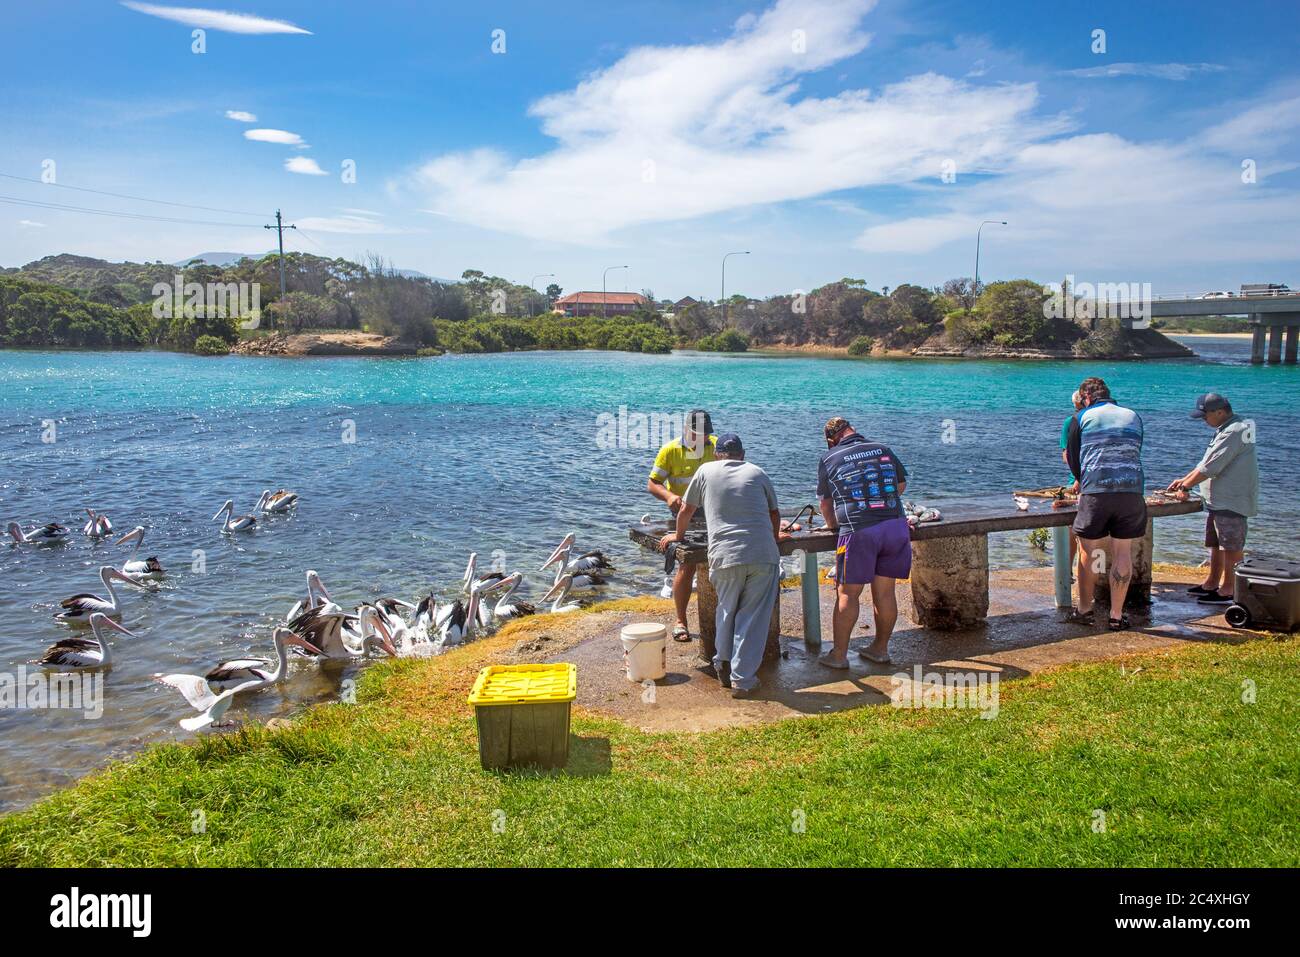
(406, 465)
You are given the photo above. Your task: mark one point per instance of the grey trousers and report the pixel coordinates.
(745, 597)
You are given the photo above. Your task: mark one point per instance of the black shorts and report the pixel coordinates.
(1111, 515)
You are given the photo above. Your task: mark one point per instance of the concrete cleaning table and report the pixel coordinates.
(950, 562)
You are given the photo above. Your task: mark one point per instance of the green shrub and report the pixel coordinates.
(211, 346)
(861, 346)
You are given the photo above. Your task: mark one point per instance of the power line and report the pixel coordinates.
(141, 217)
(142, 199)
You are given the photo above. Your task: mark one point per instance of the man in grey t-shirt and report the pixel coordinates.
(744, 559)
(1229, 470)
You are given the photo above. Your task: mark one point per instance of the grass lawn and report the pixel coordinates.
(1185, 772)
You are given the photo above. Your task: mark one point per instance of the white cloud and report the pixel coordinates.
(216, 19)
(353, 224)
(283, 137)
(1160, 71)
(240, 116)
(671, 133)
(30, 224)
(305, 165)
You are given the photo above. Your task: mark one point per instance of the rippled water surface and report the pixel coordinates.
(488, 453)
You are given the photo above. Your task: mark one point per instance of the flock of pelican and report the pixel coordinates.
(316, 627)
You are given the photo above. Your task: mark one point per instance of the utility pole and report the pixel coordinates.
(279, 228)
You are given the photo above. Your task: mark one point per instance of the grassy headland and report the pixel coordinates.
(1185, 771)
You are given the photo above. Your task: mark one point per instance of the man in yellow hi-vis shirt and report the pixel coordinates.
(674, 466)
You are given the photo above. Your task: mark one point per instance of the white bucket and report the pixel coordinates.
(645, 651)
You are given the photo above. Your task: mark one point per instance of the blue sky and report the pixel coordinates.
(814, 133)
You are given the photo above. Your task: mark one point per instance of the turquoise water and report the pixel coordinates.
(496, 454)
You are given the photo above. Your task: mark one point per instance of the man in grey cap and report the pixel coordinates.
(1230, 471)
(744, 557)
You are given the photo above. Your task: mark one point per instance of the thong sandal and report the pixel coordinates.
(1118, 624)
(681, 633)
(1076, 617)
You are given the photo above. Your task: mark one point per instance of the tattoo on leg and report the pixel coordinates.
(1119, 577)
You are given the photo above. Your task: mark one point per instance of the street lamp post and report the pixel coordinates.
(987, 222)
(744, 252)
(541, 275)
(603, 294)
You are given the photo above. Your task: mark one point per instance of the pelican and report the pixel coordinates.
(505, 609)
(277, 502)
(51, 534)
(1022, 503)
(228, 674)
(141, 568)
(582, 579)
(212, 707)
(79, 608)
(332, 633)
(591, 561)
(560, 591)
(97, 526)
(317, 596)
(83, 654)
(233, 523)
(460, 622)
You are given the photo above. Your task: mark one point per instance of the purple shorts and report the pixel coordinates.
(884, 549)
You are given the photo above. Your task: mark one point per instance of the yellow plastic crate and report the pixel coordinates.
(523, 714)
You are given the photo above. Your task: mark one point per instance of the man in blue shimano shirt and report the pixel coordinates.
(860, 486)
(1104, 451)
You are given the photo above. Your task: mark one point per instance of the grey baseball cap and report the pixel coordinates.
(1210, 402)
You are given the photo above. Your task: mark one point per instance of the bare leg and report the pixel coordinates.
(1121, 573)
(1092, 564)
(1228, 562)
(683, 577)
(884, 601)
(1215, 574)
(847, 604)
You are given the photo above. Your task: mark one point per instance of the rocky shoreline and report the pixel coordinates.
(324, 344)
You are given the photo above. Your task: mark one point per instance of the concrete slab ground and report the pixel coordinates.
(1023, 635)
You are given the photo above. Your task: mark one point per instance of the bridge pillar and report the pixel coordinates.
(1275, 344)
(1257, 341)
(1292, 335)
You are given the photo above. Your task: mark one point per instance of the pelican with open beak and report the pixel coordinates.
(233, 523)
(79, 608)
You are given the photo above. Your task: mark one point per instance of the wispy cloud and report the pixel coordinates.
(348, 223)
(216, 19)
(241, 116)
(671, 133)
(30, 224)
(1160, 71)
(283, 137)
(305, 165)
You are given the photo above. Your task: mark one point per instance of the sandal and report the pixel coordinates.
(1118, 624)
(1199, 590)
(681, 633)
(1076, 617)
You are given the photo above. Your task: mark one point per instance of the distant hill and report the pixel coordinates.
(221, 259)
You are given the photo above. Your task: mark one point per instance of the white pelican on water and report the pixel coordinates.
(79, 608)
(82, 654)
(457, 627)
(228, 674)
(277, 502)
(140, 567)
(233, 523)
(589, 562)
(559, 592)
(505, 609)
(50, 534)
(97, 525)
(212, 707)
(317, 596)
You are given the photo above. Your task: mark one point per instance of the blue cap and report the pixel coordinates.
(1210, 402)
(729, 444)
